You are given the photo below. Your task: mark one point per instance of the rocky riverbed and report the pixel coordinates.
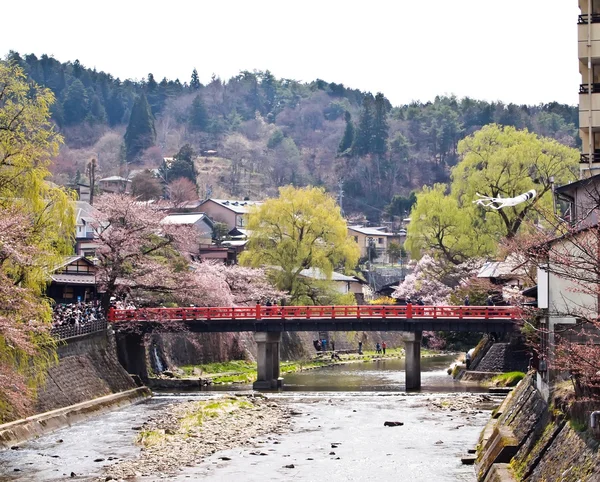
(183, 434)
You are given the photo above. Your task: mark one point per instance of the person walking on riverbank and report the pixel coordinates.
(468, 360)
(383, 347)
(360, 347)
(378, 348)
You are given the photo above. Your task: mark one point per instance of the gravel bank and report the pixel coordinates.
(185, 433)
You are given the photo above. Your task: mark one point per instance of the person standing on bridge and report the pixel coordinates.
(467, 301)
(490, 301)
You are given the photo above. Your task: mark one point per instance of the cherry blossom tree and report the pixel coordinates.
(138, 252)
(422, 283)
(152, 261)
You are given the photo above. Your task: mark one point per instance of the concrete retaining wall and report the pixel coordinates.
(22, 430)
(88, 368)
(538, 443)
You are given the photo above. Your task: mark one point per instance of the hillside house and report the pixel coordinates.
(114, 184)
(341, 283)
(200, 221)
(231, 212)
(86, 217)
(73, 281)
(379, 238)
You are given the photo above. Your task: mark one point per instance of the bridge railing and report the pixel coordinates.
(260, 312)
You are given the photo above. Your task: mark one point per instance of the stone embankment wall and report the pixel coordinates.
(529, 441)
(88, 368)
(503, 357)
(178, 349)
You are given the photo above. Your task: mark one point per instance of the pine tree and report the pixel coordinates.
(75, 106)
(380, 126)
(115, 108)
(198, 115)
(363, 141)
(195, 80)
(97, 112)
(348, 139)
(140, 134)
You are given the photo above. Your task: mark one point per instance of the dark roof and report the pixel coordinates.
(577, 184)
(530, 292)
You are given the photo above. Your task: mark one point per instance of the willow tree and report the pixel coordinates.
(44, 233)
(497, 162)
(301, 229)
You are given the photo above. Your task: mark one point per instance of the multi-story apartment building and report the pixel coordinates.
(588, 37)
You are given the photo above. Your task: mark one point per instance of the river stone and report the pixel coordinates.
(393, 424)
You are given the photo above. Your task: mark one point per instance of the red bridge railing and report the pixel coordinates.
(260, 312)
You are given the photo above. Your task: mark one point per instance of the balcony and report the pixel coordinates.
(585, 158)
(585, 18)
(583, 88)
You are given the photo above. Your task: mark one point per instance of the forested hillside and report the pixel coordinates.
(255, 132)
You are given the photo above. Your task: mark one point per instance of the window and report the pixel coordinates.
(380, 240)
(356, 238)
(68, 292)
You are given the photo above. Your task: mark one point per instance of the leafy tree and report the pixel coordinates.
(145, 186)
(140, 134)
(275, 139)
(183, 165)
(348, 139)
(195, 80)
(400, 206)
(37, 222)
(395, 251)
(75, 105)
(301, 229)
(220, 231)
(440, 226)
(198, 115)
(505, 162)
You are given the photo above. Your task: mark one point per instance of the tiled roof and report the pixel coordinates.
(191, 218)
(74, 279)
(239, 207)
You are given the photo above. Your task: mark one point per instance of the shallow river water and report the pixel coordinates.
(343, 405)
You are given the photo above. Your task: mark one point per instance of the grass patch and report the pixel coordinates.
(150, 438)
(237, 366)
(211, 409)
(509, 379)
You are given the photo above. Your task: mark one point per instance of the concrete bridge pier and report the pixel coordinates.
(412, 361)
(267, 360)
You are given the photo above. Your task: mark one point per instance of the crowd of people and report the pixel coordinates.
(77, 314)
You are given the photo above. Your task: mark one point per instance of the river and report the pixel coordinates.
(344, 405)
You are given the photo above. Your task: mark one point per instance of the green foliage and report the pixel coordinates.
(38, 224)
(301, 229)
(348, 139)
(497, 162)
(195, 80)
(504, 162)
(439, 225)
(220, 231)
(275, 139)
(400, 206)
(395, 251)
(75, 105)
(199, 115)
(509, 379)
(140, 134)
(182, 165)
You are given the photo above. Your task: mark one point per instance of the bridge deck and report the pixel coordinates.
(327, 318)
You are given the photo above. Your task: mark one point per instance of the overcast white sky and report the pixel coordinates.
(522, 51)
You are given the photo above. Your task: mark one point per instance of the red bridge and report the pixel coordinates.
(268, 322)
(303, 318)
